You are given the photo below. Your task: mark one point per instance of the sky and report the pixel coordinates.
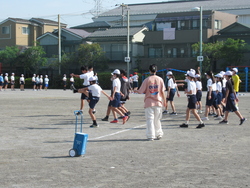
(72, 12)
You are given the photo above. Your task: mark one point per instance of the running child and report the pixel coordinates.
(172, 88)
(198, 92)
(230, 99)
(219, 95)
(95, 91)
(116, 97)
(211, 94)
(191, 95)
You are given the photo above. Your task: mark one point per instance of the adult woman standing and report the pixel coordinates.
(153, 87)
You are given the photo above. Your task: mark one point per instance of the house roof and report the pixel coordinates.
(47, 34)
(236, 24)
(46, 22)
(78, 32)
(180, 6)
(116, 32)
(98, 24)
(17, 20)
(33, 21)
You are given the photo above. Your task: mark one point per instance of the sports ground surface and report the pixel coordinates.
(37, 131)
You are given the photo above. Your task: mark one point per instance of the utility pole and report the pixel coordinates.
(128, 49)
(59, 45)
(123, 6)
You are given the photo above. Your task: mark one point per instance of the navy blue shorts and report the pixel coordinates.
(199, 95)
(6, 83)
(135, 84)
(34, 83)
(46, 85)
(219, 98)
(171, 95)
(212, 100)
(1, 83)
(83, 96)
(116, 101)
(191, 101)
(93, 101)
(22, 83)
(223, 92)
(230, 106)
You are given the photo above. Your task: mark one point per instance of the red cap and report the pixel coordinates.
(131, 75)
(135, 72)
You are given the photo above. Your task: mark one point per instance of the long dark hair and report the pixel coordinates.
(231, 80)
(153, 68)
(220, 80)
(173, 77)
(211, 75)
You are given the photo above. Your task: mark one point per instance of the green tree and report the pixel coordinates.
(227, 53)
(9, 55)
(90, 54)
(211, 53)
(233, 52)
(33, 59)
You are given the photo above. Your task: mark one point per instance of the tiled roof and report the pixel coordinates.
(19, 20)
(46, 21)
(234, 25)
(79, 32)
(116, 32)
(180, 6)
(92, 24)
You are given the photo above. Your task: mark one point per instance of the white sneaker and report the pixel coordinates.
(205, 118)
(150, 139)
(218, 118)
(200, 111)
(158, 137)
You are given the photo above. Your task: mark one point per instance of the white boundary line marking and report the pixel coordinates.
(126, 130)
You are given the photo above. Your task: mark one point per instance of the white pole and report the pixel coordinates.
(59, 44)
(201, 38)
(128, 44)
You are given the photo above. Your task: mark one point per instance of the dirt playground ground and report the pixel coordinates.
(37, 131)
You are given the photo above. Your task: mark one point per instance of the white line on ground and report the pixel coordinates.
(125, 130)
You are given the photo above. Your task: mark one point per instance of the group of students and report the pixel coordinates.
(5, 81)
(222, 95)
(38, 82)
(91, 93)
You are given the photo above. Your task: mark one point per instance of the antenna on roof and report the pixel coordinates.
(96, 11)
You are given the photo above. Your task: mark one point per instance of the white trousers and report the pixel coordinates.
(153, 118)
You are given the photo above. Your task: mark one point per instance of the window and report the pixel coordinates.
(6, 30)
(217, 24)
(155, 52)
(25, 30)
(195, 24)
(174, 52)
